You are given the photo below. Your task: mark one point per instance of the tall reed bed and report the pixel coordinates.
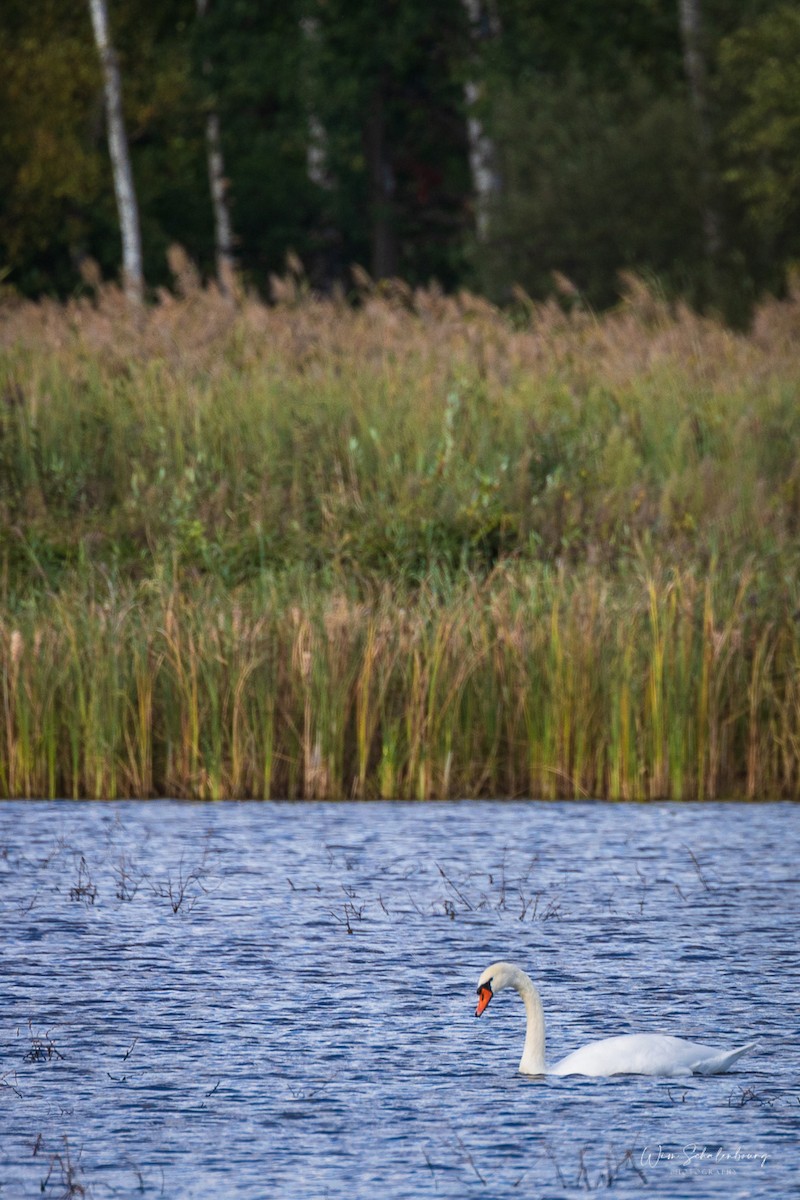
(542, 685)
(393, 438)
(408, 546)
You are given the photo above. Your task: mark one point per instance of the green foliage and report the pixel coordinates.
(53, 171)
(547, 37)
(759, 79)
(395, 65)
(389, 442)
(601, 182)
(56, 197)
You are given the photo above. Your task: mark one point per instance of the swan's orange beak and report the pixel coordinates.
(484, 996)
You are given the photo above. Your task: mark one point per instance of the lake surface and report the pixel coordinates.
(259, 1000)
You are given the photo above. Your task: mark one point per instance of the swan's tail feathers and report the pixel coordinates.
(721, 1062)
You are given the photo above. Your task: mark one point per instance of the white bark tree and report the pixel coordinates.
(127, 207)
(694, 65)
(482, 152)
(317, 144)
(218, 185)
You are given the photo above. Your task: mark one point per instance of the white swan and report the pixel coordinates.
(632, 1054)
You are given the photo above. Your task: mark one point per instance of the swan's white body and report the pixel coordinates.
(632, 1054)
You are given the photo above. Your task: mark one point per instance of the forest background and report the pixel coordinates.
(481, 144)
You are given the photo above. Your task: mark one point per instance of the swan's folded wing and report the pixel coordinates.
(647, 1054)
(630, 1054)
(721, 1060)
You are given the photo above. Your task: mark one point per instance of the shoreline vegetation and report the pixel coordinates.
(406, 545)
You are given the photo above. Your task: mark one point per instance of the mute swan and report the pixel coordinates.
(632, 1054)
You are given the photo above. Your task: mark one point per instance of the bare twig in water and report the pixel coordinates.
(468, 1157)
(127, 877)
(68, 1170)
(699, 870)
(644, 884)
(297, 1094)
(613, 1169)
(526, 902)
(25, 906)
(583, 1174)
(349, 863)
(350, 912)
(551, 1154)
(12, 1087)
(187, 887)
(125, 1057)
(129, 1051)
(615, 1164)
(42, 1047)
(501, 899)
(450, 884)
(431, 1169)
(133, 1167)
(748, 1095)
(84, 889)
(57, 849)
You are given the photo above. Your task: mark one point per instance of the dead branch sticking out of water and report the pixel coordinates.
(615, 1165)
(84, 889)
(127, 878)
(63, 1172)
(42, 1047)
(186, 888)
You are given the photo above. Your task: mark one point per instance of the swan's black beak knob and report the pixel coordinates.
(484, 996)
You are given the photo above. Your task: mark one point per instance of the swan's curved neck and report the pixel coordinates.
(532, 1062)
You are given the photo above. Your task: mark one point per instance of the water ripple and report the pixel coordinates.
(251, 998)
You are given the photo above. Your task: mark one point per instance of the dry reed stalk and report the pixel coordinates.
(183, 768)
(367, 710)
(757, 737)
(624, 772)
(12, 653)
(787, 733)
(139, 738)
(216, 699)
(657, 747)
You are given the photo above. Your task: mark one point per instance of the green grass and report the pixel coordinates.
(411, 548)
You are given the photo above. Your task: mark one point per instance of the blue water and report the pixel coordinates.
(259, 1000)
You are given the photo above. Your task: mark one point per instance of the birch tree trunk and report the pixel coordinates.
(695, 68)
(218, 186)
(317, 144)
(132, 273)
(481, 148)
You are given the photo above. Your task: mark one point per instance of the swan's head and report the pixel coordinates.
(496, 977)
